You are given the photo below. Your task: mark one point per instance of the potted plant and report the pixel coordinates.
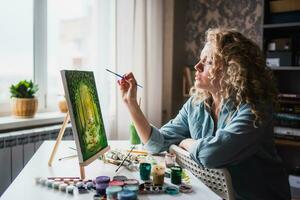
(24, 104)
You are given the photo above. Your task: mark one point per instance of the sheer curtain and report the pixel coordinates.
(139, 49)
(133, 44)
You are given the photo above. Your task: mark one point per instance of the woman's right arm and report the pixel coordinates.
(155, 140)
(128, 90)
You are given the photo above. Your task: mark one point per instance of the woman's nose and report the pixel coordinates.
(199, 67)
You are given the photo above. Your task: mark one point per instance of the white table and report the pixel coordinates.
(24, 186)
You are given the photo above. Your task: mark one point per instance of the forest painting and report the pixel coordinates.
(84, 109)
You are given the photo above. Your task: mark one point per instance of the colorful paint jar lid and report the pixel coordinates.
(131, 182)
(102, 179)
(89, 185)
(56, 185)
(50, 183)
(120, 178)
(111, 190)
(133, 188)
(79, 184)
(172, 190)
(63, 186)
(43, 181)
(127, 195)
(97, 197)
(116, 183)
(37, 180)
(101, 186)
(70, 189)
(184, 188)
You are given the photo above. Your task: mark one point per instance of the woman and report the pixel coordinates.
(228, 120)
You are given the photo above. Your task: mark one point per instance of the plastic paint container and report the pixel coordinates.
(43, 181)
(102, 179)
(176, 172)
(145, 171)
(116, 183)
(172, 190)
(133, 188)
(63, 186)
(120, 178)
(112, 192)
(170, 160)
(50, 183)
(127, 195)
(158, 173)
(79, 184)
(131, 182)
(56, 185)
(70, 189)
(101, 188)
(89, 185)
(184, 188)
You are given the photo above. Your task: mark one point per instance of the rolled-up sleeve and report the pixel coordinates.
(172, 133)
(231, 144)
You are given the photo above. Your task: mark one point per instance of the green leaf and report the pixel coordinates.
(24, 89)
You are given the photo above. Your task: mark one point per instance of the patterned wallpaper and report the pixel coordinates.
(243, 15)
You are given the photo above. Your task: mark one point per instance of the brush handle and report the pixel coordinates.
(118, 75)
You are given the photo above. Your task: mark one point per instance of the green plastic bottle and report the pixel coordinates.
(134, 137)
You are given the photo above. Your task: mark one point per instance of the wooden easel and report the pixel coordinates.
(58, 140)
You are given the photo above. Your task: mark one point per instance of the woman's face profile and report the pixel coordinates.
(202, 80)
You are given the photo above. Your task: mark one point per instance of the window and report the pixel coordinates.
(16, 49)
(42, 37)
(70, 40)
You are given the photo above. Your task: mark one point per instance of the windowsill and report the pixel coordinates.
(40, 119)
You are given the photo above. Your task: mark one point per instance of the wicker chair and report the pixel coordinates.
(218, 180)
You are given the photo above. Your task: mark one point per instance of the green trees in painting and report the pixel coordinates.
(85, 112)
(89, 118)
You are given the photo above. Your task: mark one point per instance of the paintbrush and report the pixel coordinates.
(125, 158)
(118, 75)
(72, 156)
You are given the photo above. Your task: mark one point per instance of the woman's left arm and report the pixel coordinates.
(237, 141)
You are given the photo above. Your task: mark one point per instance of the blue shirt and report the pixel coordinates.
(247, 151)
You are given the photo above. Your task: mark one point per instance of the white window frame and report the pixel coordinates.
(39, 57)
(40, 51)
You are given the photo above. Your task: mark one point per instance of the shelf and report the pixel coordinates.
(290, 143)
(295, 68)
(282, 25)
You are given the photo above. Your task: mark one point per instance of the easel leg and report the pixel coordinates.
(59, 137)
(82, 172)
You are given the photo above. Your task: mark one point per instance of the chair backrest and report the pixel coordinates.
(218, 180)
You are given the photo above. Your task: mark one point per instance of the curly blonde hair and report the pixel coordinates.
(239, 70)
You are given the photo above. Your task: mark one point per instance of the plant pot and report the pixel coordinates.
(24, 107)
(62, 105)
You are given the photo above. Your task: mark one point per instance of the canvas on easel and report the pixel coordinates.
(85, 115)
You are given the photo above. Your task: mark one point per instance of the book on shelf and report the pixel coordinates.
(289, 108)
(286, 95)
(287, 132)
(287, 119)
(287, 116)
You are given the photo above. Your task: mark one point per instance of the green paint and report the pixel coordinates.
(145, 171)
(134, 137)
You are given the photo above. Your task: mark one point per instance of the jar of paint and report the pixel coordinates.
(176, 173)
(145, 171)
(170, 159)
(158, 173)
